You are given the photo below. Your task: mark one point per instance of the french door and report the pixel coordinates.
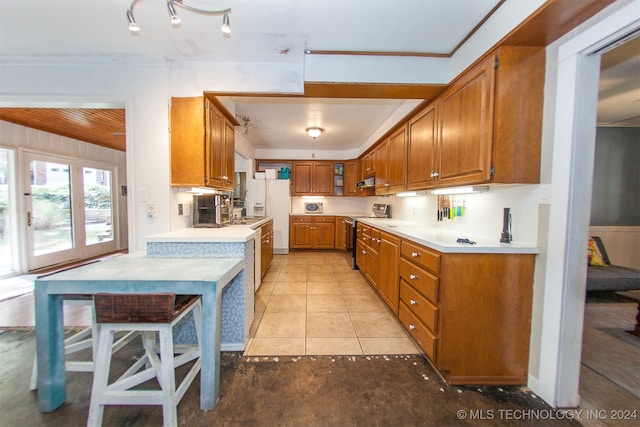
(69, 209)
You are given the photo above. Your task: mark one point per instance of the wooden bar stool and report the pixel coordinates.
(153, 316)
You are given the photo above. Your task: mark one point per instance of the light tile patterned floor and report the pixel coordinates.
(312, 303)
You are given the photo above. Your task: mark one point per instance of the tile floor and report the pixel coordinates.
(312, 303)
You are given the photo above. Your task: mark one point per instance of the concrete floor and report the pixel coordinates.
(332, 390)
(286, 391)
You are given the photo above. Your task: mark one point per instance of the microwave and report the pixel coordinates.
(313, 207)
(211, 210)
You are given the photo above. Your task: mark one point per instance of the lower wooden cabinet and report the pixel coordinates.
(388, 269)
(341, 233)
(312, 232)
(469, 312)
(266, 246)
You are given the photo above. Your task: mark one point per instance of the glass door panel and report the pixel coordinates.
(51, 216)
(7, 234)
(51, 237)
(98, 206)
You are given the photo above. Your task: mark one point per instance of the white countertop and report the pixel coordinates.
(352, 214)
(445, 240)
(231, 233)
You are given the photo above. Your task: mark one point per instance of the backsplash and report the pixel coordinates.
(483, 211)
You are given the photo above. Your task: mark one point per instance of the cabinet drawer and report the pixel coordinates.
(421, 256)
(300, 219)
(420, 306)
(320, 219)
(423, 281)
(418, 331)
(267, 228)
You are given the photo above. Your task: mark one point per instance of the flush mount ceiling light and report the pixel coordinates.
(314, 132)
(175, 19)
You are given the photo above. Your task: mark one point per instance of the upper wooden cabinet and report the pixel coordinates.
(485, 128)
(202, 144)
(350, 178)
(312, 178)
(397, 161)
(490, 121)
(422, 149)
(368, 165)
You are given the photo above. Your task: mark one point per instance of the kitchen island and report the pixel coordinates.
(132, 273)
(234, 241)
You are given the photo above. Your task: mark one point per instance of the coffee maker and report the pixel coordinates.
(211, 210)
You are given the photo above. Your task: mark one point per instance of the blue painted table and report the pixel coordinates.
(133, 273)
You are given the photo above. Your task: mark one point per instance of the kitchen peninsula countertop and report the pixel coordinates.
(230, 233)
(445, 240)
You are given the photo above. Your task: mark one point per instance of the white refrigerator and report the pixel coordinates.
(270, 197)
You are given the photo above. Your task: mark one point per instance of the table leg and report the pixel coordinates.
(210, 345)
(50, 350)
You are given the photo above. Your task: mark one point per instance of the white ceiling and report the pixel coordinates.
(259, 28)
(280, 123)
(71, 30)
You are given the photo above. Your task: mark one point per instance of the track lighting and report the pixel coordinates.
(175, 19)
(133, 26)
(225, 24)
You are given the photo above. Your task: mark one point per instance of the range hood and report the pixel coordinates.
(368, 182)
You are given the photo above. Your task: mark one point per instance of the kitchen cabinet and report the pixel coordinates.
(341, 233)
(368, 165)
(422, 148)
(381, 155)
(350, 178)
(202, 144)
(266, 246)
(312, 232)
(388, 269)
(490, 121)
(391, 162)
(312, 178)
(469, 312)
(219, 149)
(367, 255)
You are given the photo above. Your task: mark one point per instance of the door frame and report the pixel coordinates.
(574, 86)
(79, 250)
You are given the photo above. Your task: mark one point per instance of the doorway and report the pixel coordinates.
(69, 206)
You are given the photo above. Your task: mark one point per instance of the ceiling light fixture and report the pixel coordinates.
(314, 132)
(175, 19)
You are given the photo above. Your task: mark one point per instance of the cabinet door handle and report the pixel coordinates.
(29, 219)
(379, 240)
(413, 277)
(413, 302)
(415, 254)
(364, 252)
(411, 327)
